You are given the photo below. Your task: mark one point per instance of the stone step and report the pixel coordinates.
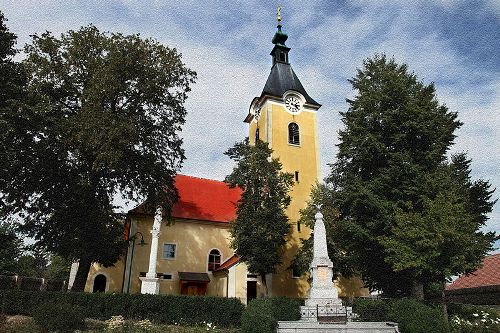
(303, 326)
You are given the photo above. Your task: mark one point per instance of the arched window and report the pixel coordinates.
(214, 259)
(257, 135)
(293, 134)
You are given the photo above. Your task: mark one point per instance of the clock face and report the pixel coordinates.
(292, 103)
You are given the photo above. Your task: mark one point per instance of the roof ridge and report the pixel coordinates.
(202, 178)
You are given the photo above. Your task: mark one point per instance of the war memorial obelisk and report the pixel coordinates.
(323, 310)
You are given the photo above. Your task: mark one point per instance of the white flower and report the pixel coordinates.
(475, 315)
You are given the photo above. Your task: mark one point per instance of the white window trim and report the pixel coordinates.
(163, 250)
(208, 258)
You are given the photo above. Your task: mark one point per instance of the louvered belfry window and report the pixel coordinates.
(293, 134)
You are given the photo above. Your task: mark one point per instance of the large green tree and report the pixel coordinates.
(260, 229)
(12, 82)
(101, 116)
(408, 215)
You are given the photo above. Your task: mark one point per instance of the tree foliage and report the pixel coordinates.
(408, 215)
(11, 74)
(101, 116)
(10, 248)
(261, 226)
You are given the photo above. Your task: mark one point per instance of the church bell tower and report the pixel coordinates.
(284, 116)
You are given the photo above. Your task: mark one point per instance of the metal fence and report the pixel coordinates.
(325, 313)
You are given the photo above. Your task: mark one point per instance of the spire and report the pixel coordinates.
(279, 37)
(280, 50)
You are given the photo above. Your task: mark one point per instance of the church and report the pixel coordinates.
(192, 254)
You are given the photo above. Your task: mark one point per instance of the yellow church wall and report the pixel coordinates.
(194, 240)
(241, 282)
(217, 286)
(351, 287)
(114, 276)
(302, 158)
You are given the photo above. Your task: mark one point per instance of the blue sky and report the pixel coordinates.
(454, 43)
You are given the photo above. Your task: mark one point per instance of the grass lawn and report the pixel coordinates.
(22, 324)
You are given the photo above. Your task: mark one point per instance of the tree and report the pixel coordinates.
(10, 248)
(57, 269)
(11, 72)
(33, 262)
(11, 83)
(261, 226)
(101, 116)
(408, 216)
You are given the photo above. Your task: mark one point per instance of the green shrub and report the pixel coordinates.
(262, 315)
(467, 311)
(62, 318)
(415, 317)
(370, 310)
(258, 317)
(165, 309)
(284, 308)
(8, 282)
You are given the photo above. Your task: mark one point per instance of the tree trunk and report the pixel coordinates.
(264, 283)
(81, 275)
(417, 290)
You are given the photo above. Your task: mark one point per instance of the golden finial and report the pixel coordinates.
(279, 14)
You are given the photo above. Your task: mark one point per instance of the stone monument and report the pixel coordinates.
(323, 310)
(323, 301)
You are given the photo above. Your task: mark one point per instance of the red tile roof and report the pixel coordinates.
(228, 263)
(487, 275)
(203, 199)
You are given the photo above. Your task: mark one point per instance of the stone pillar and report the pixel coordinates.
(150, 284)
(72, 274)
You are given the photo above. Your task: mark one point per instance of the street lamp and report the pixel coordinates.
(141, 243)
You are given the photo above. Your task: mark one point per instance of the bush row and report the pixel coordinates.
(165, 309)
(262, 315)
(412, 316)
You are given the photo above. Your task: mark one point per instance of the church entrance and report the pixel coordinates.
(99, 284)
(251, 290)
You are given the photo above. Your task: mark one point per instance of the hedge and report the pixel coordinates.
(165, 309)
(370, 310)
(467, 311)
(262, 315)
(411, 315)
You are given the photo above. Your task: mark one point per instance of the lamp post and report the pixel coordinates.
(141, 243)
